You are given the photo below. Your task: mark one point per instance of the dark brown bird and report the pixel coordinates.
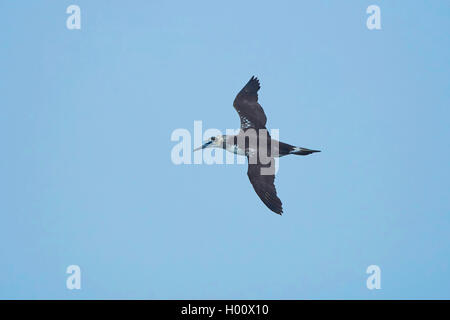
(255, 142)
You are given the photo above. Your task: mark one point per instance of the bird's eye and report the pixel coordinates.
(213, 138)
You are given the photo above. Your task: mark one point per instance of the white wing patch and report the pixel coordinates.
(246, 123)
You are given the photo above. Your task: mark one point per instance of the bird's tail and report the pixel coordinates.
(302, 151)
(286, 149)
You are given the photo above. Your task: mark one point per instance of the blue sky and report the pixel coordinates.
(87, 177)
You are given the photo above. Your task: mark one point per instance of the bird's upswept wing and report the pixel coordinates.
(264, 185)
(246, 104)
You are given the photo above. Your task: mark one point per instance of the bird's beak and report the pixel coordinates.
(203, 146)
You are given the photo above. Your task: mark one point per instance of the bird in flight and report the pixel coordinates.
(254, 141)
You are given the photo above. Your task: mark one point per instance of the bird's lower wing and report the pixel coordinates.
(262, 178)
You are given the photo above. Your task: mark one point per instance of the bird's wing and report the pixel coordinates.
(246, 104)
(264, 186)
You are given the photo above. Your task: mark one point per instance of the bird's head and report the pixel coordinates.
(216, 141)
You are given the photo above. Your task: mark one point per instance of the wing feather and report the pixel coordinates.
(264, 185)
(246, 104)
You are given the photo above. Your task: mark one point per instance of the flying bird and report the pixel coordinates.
(254, 141)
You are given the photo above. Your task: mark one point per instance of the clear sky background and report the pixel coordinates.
(86, 176)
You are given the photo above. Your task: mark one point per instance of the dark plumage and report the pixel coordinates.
(261, 172)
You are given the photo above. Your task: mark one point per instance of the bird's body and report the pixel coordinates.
(238, 145)
(230, 144)
(254, 141)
